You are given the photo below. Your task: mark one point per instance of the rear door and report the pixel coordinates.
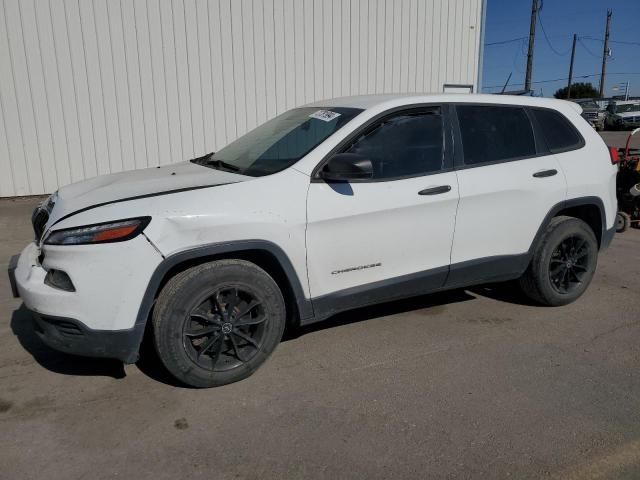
(508, 182)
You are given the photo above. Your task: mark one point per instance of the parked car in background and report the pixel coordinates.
(336, 205)
(592, 113)
(622, 115)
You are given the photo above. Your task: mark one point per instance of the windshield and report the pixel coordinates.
(280, 142)
(635, 107)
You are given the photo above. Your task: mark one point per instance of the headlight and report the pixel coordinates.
(108, 232)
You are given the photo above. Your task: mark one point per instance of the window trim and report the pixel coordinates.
(459, 159)
(542, 149)
(445, 110)
(536, 125)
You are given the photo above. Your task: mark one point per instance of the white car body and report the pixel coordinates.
(329, 244)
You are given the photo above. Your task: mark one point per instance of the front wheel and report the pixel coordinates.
(563, 263)
(216, 323)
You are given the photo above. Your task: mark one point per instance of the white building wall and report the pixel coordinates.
(89, 87)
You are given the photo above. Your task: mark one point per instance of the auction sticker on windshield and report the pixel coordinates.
(324, 115)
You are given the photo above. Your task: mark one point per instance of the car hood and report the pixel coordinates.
(136, 184)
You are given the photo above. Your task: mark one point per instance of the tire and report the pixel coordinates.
(623, 221)
(218, 322)
(568, 244)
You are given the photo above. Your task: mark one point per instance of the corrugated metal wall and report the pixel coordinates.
(89, 87)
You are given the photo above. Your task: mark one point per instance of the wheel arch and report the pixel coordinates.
(267, 255)
(588, 209)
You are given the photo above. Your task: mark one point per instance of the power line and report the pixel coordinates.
(504, 42)
(544, 32)
(587, 48)
(566, 78)
(622, 42)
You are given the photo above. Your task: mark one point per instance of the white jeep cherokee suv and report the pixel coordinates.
(325, 208)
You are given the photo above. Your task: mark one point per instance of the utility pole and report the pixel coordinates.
(626, 91)
(605, 54)
(573, 55)
(532, 39)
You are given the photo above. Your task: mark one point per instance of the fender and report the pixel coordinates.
(604, 237)
(305, 309)
(137, 197)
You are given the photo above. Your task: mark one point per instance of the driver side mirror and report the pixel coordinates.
(343, 167)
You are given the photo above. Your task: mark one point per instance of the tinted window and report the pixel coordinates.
(491, 134)
(559, 133)
(406, 144)
(280, 142)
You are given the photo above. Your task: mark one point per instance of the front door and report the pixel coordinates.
(389, 236)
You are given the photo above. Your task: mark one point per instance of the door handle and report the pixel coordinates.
(435, 190)
(545, 173)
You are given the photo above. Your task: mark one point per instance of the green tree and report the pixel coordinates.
(578, 90)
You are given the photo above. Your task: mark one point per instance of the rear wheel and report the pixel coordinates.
(563, 263)
(216, 323)
(623, 221)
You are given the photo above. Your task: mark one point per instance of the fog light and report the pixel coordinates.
(60, 280)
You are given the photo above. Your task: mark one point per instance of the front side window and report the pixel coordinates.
(280, 142)
(403, 145)
(558, 132)
(495, 133)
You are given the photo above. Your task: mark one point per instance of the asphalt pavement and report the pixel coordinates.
(472, 384)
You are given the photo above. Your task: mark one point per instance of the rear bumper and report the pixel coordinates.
(72, 336)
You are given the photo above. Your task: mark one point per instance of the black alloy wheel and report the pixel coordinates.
(226, 329)
(563, 263)
(218, 322)
(569, 263)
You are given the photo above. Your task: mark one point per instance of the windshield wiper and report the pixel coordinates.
(203, 159)
(219, 164)
(223, 165)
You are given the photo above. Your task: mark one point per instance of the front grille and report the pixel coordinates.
(39, 220)
(591, 114)
(63, 327)
(68, 329)
(40, 216)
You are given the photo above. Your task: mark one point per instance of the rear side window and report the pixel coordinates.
(403, 145)
(558, 131)
(495, 133)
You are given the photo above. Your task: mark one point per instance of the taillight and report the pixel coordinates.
(615, 156)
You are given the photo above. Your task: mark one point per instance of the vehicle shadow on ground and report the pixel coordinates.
(58, 362)
(423, 302)
(150, 364)
(508, 292)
